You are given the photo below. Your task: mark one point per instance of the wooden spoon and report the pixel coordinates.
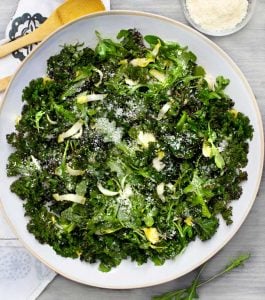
(68, 11)
(4, 83)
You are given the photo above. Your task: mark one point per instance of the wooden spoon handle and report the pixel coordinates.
(4, 83)
(23, 41)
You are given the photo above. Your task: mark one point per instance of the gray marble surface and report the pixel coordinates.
(247, 49)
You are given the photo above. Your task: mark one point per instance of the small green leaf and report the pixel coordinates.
(181, 121)
(199, 71)
(219, 161)
(153, 40)
(38, 117)
(149, 221)
(196, 187)
(205, 227)
(205, 210)
(239, 261)
(81, 188)
(206, 149)
(103, 268)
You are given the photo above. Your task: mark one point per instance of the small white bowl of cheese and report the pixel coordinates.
(218, 18)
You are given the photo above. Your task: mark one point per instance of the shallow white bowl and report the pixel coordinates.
(216, 62)
(239, 26)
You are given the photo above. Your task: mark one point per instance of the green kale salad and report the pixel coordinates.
(126, 151)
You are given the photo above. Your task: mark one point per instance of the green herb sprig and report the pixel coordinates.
(190, 292)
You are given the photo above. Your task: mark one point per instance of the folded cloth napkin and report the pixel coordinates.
(22, 277)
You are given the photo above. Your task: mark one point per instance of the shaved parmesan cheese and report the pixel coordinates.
(155, 51)
(170, 186)
(46, 79)
(36, 162)
(70, 197)
(84, 97)
(158, 164)
(210, 80)
(151, 234)
(141, 62)
(158, 75)
(123, 62)
(72, 132)
(234, 112)
(106, 192)
(165, 108)
(100, 77)
(78, 134)
(130, 81)
(160, 191)
(50, 120)
(145, 138)
(188, 221)
(123, 181)
(18, 118)
(206, 149)
(74, 172)
(126, 192)
(161, 154)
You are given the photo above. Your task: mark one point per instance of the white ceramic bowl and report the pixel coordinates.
(239, 26)
(128, 274)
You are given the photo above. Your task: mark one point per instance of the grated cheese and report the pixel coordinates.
(217, 15)
(158, 164)
(163, 110)
(160, 191)
(109, 130)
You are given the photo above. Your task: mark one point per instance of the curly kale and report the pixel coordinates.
(126, 151)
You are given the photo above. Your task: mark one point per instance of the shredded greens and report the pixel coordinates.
(127, 151)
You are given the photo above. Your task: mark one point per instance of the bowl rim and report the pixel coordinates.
(260, 132)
